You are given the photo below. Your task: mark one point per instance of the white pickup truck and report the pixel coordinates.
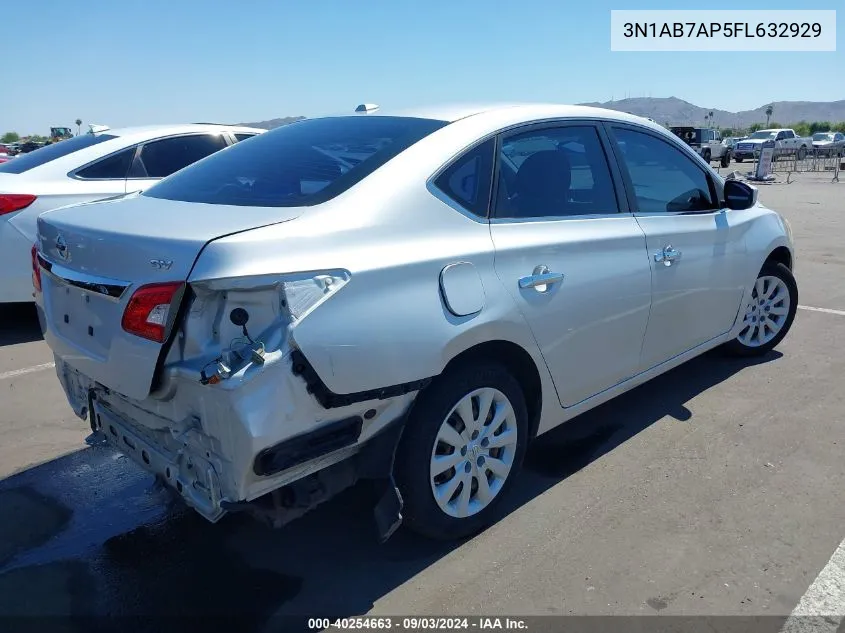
(787, 143)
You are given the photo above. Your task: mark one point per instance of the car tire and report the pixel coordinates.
(775, 294)
(726, 159)
(706, 156)
(802, 153)
(739, 159)
(435, 430)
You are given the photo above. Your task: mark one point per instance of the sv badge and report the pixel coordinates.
(161, 264)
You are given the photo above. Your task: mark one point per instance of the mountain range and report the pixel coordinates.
(674, 111)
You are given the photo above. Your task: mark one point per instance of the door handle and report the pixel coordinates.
(667, 256)
(541, 277)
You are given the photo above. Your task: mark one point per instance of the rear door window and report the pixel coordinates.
(167, 156)
(244, 136)
(48, 153)
(301, 164)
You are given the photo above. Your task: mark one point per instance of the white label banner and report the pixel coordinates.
(723, 30)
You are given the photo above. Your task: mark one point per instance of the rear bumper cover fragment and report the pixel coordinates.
(330, 400)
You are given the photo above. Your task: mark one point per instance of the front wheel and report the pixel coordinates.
(802, 153)
(706, 156)
(739, 159)
(769, 314)
(726, 159)
(461, 449)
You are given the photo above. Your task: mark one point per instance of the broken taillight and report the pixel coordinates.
(36, 269)
(149, 311)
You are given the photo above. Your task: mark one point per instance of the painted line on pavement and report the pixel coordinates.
(825, 310)
(822, 607)
(26, 370)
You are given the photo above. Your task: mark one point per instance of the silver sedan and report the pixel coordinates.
(410, 298)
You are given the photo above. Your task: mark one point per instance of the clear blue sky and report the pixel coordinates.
(126, 62)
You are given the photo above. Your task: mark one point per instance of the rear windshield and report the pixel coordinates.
(43, 155)
(301, 164)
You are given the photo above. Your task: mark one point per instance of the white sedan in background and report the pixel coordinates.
(100, 164)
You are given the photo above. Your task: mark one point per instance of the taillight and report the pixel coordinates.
(149, 310)
(11, 202)
(36, 269)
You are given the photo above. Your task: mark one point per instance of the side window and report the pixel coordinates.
(554, 172)
(664, 178)
(839, 137)
(164, 157)
(781, 136)
(114, 167)
(467, 179)
(243, 136)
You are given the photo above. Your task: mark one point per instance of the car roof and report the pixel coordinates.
(527, 110)
(178, 128)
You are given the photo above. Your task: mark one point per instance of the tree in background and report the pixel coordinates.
(802, 128)
(769, 111)
(755, 127)
(10, 137)
(78, 126)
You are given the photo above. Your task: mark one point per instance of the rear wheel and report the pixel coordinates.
(739, 159)
(802, 153)
(706, 155)
(726, 159)
(769, 314)
(462, 446)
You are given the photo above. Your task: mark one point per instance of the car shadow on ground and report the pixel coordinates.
(99, 539)
(18, 324)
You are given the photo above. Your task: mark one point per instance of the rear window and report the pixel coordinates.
(45, 154)
(301, 164)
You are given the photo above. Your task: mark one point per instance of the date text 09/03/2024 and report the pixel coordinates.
(719, 29)
(418, 623)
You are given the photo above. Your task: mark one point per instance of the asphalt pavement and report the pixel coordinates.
(716, 489)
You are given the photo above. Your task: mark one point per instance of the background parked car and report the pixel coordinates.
(829, 143)
(787, 143)
(90, 167)
(707, 142)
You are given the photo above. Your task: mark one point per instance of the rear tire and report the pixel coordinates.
(802, 153)
(441, 458)
(706, 156)
(739, 159)
(769, 314)
(726, 159)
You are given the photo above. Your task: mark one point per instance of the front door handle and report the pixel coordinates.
(540, 279)
(667, 255)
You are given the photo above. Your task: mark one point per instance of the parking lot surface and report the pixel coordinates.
(716, 489)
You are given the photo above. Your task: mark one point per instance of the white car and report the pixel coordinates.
(406, 298)
(92, 166)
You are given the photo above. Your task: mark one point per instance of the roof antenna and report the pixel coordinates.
(366, 108)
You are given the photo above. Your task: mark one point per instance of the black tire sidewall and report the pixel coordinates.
(421, 512)
(771, 269)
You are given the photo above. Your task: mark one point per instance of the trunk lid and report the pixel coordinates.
(94, 256)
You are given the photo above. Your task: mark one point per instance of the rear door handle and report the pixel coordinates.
(541, 277)
(667, 256)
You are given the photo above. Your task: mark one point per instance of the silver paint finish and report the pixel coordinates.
(615, 319)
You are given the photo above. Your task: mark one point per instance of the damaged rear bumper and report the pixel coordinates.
(221, 460)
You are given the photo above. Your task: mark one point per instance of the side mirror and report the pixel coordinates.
(739, 195)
